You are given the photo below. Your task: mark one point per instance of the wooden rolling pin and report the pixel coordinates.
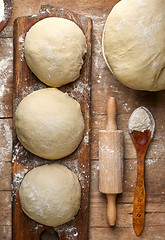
(111, 161)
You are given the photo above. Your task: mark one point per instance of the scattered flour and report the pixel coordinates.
(21, 47)
(125, 105)
(8, 30)
(2, 9)
(80, 89)
(2, 164)
(6, 144)
(70, 231)
(86, 138)
(17, 179)
(2, 89)
(151, 161)
(6, 72)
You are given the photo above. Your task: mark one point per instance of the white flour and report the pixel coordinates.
(6, 72)
(139, 120)
(2, 8)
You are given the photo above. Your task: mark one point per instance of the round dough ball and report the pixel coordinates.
(49, 123)
(54, 50)
(134, 43)
(50, 194)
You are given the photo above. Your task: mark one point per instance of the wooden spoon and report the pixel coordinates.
(8, 6)
(141, 140)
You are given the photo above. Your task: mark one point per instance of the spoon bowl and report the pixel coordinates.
(151, 123)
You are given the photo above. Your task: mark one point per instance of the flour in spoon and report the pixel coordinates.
(2, 9)
(139, 120)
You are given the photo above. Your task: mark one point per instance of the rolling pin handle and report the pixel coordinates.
(111, 114)
(111, 209)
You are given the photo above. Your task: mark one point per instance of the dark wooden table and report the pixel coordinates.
(103, 85)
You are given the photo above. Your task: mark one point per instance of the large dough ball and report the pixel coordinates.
(134, 43)
(50, 194)
(54, 48)
(49, 123)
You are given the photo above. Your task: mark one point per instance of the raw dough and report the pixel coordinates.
(49, 123)
(54, 48)
(134, 43)
(50, 194)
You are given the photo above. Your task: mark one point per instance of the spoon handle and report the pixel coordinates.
(139, 197)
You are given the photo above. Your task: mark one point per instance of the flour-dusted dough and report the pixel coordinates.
(49, 123)
(134, 43)
(54, 50)
(50, 194)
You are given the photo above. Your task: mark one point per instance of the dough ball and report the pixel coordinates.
(50, 194)
(49, 123)
(54, 50)
(134, 43)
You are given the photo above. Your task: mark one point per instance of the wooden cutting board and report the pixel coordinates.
(25, 82)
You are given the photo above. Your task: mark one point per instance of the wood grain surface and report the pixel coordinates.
(25, 82)
(104, 85)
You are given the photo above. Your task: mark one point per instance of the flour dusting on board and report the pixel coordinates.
(5, 73)
(21, 46)
(79, 89)
(17, 179)
(98, 61)
(2, 9)
(6, 147)
(2, 164)
(86, 138)
(71, 232)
